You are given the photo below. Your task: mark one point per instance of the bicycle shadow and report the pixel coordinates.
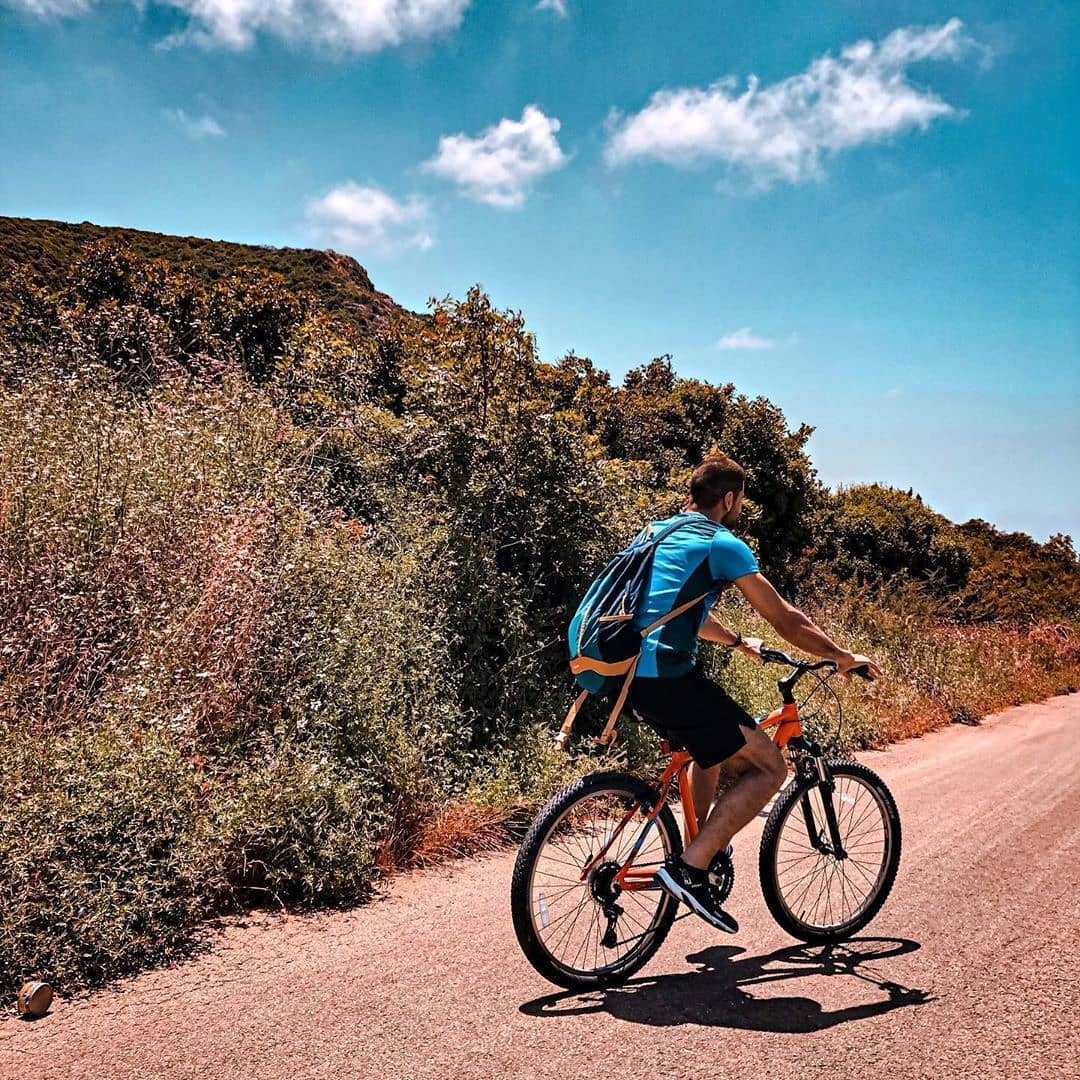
(715, 994)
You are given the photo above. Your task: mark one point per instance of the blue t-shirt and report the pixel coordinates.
(688, 563)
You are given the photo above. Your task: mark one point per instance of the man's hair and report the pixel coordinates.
(714, 478)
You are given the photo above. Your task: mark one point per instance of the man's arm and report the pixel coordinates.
(714, 630)
(797, 628)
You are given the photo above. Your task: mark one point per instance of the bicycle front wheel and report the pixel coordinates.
(815, 894)
(574, 922)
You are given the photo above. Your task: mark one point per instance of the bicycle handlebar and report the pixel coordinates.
(778, 656)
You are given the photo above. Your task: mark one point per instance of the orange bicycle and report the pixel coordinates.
(586, 908)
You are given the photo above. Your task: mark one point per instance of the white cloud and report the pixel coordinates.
(744, 338)
(558, 6)
(46, 9)
(356, 216)
(357, 26)
(499, 166)
(782, 131)
(196, 127)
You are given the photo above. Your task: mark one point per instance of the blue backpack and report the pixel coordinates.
(604, 645)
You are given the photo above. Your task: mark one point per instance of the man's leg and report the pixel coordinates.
(760, 770)
(703, 785)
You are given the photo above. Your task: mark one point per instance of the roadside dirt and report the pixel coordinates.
(971, 970)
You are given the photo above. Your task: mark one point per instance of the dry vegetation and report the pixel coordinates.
(281, 604)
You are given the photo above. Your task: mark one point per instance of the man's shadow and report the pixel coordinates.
(716, 994)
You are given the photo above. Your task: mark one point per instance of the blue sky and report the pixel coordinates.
(867, 212)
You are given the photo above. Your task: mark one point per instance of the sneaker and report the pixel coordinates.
(691, 887)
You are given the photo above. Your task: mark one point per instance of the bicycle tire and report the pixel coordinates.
(521, 900)
(770, 847)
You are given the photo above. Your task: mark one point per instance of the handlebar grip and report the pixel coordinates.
(775, 656)
(863, 671)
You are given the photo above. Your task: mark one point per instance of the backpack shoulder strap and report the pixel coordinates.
(648, 536)
(607, 736)
(665, 532)
(571, 716)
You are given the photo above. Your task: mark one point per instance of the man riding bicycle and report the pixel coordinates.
(672, 694)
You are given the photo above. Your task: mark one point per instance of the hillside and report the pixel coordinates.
(340, 282)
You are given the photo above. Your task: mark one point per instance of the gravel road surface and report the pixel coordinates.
(971, 970)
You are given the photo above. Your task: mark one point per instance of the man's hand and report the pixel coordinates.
(847, 661)
(751, 646)
(794, 626)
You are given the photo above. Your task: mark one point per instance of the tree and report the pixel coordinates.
(877, 535)
(1015, 577)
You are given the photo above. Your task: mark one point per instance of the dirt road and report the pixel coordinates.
(970, 971)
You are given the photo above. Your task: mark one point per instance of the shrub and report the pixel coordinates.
(875, 535)
(101, 872)
(282, 608)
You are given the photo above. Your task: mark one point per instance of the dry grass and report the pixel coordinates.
(936, 672)
(218, 691)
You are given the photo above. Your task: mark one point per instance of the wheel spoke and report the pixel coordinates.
(574, 909)
(818, 890)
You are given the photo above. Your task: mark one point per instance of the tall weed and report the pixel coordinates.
(264, 641)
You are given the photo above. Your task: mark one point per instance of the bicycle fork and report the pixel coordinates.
(814, 768)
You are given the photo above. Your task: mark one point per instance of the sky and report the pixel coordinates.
(865, 211)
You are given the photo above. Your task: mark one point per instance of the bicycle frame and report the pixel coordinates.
(631, 878)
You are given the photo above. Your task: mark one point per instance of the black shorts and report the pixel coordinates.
(692, 711)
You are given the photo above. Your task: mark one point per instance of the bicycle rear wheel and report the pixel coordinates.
(813, 894)
(572, 920)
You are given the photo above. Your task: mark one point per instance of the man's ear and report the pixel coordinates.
(729, 501)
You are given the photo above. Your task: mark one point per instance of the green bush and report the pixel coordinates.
(282, 608)
(101, 872)
(1013, 577)
(875, 535)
